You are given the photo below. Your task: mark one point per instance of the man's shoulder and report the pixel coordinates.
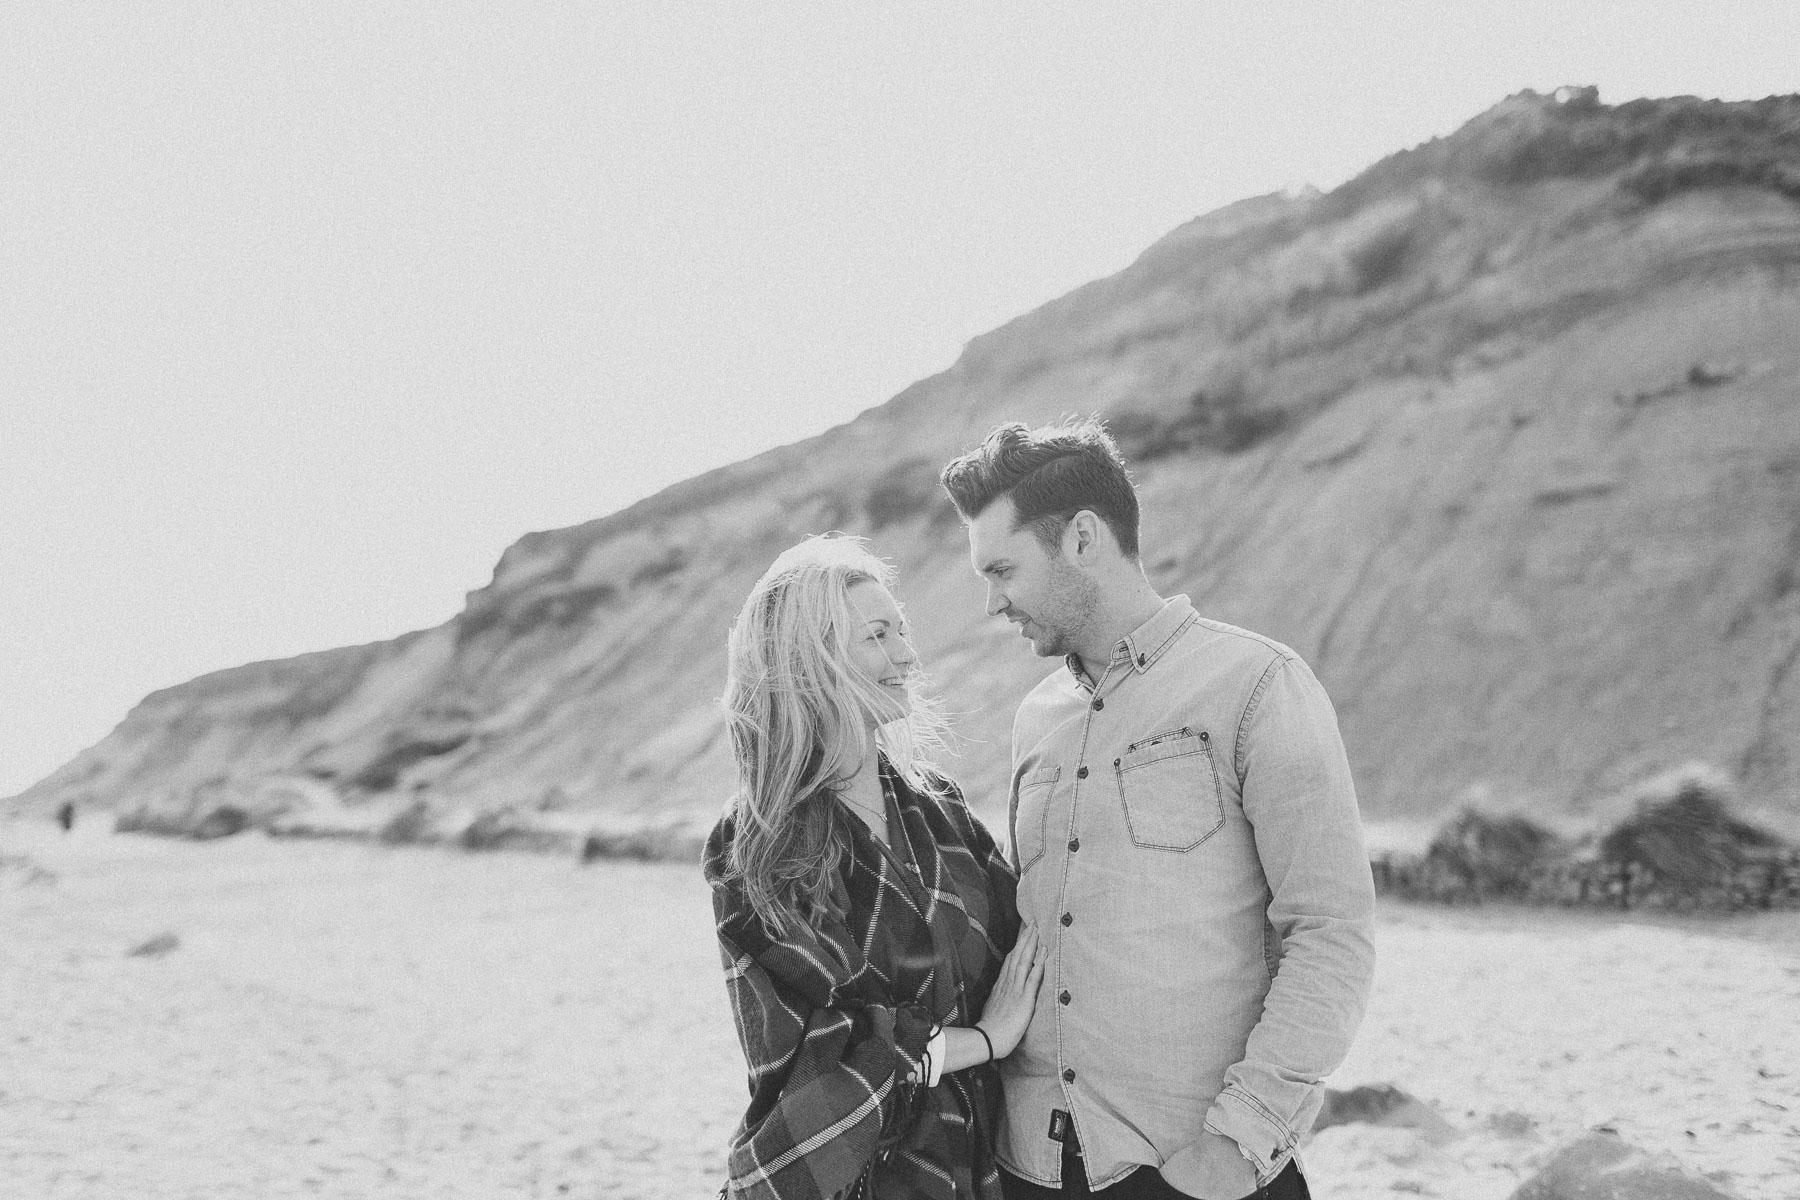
(1218, 641)
(1056, 689)
(1052, 686)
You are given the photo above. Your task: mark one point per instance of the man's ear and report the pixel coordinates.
(1081, 537)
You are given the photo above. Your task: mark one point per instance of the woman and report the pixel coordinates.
(865, 916)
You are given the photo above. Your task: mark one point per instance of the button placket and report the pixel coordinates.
(1096, 703)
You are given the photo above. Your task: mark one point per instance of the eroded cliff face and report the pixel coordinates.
(1503, 436)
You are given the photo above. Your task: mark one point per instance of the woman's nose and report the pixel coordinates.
(901, 653)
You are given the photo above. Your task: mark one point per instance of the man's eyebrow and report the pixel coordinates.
(992, 565)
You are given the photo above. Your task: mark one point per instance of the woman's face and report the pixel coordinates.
(880, 647)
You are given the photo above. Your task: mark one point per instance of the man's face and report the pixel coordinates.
(1043, 593)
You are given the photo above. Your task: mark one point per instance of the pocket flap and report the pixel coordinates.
(1173, 744)
(1041, 775)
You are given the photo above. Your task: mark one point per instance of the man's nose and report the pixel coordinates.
(996, 601)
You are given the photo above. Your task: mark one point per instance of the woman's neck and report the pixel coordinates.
(862, 792)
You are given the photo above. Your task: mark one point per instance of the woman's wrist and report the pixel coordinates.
(966, 1046)
(991, 1056)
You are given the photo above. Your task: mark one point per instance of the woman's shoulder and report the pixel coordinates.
(920, 778)
(946, 796)
(941, 783)
(936, 790)
(943, 789)
(715, 858)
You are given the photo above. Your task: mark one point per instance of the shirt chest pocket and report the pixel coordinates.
(1169, 786)
(1031, 819)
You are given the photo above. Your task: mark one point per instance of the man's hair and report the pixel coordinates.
(1051, 473)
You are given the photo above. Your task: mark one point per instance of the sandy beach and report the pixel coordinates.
(340, 1020)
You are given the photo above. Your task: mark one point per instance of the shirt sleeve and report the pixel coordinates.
(1301, 805)
(829, 1077)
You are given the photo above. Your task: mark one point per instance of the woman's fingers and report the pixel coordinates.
(1011, 966)
(1024, 950)
(1016, 987)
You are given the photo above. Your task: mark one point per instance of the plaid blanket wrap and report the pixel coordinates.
(833, 1023)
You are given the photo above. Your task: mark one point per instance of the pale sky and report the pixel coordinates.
(308, 310)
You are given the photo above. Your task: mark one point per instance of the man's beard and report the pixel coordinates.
(1066, 612)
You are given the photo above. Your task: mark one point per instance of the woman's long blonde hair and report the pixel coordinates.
(799, 711)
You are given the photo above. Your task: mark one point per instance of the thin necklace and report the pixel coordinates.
(879, 816)
(882, 814)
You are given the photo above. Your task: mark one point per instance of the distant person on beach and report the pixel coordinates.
(865, 917)
(1186, 836)
(65, 815)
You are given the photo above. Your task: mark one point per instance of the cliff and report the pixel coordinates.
(1502, 435)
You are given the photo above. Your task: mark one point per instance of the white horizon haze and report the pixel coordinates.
(310, 310)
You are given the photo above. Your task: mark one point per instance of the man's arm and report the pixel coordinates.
(1301, 805)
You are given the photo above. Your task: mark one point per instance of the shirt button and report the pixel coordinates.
(1062, 998)
(1099, 704)
(1074, 845)
(1081, 772)
(1142, 659)
(1069, 1075)
(1068, 918)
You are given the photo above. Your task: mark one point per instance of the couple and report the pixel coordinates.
(1140, 1001)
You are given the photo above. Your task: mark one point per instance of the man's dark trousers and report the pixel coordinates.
(1145, 1183)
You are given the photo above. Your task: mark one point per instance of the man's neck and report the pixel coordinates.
(1118, 615)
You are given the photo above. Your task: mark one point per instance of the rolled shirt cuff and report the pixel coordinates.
(1263, 1137)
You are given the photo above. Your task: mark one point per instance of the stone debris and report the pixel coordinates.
(1382, 1104)
(156, 947)
(1603, 1166)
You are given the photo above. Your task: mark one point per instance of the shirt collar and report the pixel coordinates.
(1140, 648)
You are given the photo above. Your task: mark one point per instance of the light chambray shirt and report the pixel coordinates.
(1189, 847)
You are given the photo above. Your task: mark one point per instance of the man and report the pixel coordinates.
(1187, 838)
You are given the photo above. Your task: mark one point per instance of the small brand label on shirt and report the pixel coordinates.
(1059, 1125)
